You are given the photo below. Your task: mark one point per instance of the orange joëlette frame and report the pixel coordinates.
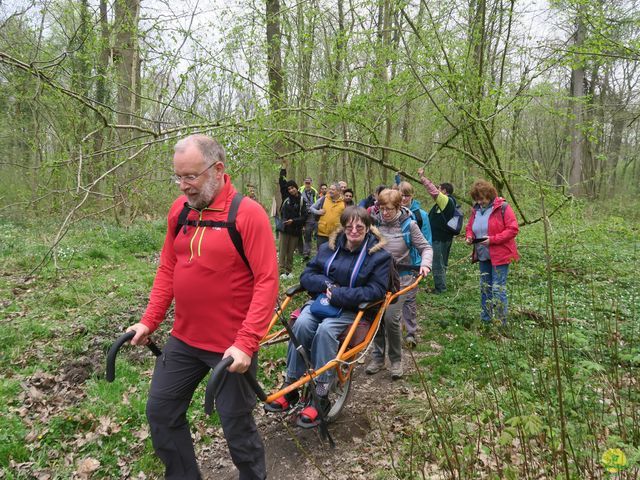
(343, 354)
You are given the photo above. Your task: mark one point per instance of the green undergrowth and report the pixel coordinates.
(58, 413)
(487, 401)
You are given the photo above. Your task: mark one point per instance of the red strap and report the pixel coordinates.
(282, 401)
(309, 412)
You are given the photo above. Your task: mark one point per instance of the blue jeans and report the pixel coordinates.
(441, 251)
(493, 291)
(318, 336)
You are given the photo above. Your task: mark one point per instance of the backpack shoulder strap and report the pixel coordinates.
(286, 200)
(182, 219)
(230, 225)
(419, 219)
(236, 238)
(406, 230)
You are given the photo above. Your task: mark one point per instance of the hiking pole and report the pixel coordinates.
(324, 429)
(113, 351)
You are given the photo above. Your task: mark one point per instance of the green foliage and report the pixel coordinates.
(496, 389)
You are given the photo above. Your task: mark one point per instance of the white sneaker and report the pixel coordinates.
(284, 276)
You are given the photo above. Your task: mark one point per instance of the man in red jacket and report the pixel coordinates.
(223, 304)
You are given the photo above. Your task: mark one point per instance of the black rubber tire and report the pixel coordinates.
(338, 395)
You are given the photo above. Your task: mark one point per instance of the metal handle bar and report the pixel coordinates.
(291, 291)
(215, 383)
(113, 351)
(403, 267)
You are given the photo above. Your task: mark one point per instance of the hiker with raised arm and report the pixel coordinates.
(442, 236)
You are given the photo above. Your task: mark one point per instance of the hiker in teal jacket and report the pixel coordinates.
(409, 309)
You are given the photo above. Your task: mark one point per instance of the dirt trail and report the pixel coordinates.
(294, 453)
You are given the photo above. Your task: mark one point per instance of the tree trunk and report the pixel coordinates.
(102, 67)
(578, 147)
(275, 75)
(125, 59)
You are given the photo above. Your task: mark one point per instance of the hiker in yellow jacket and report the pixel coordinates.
(328, 208)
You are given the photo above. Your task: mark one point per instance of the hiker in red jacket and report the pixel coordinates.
(224, 295)
(492, 231)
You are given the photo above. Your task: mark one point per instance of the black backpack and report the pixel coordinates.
(230, 225)
(394, 277)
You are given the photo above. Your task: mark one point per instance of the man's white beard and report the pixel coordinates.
(203, 199)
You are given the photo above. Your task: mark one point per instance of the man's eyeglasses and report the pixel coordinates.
(356, 228)
(177, 179)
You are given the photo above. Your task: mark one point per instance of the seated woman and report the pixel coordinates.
(351, 268)
(404, 240)
(492, 231)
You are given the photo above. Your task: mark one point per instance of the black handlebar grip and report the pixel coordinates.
(113, 351)
(403, 266)
(215, 383)
(253, 383)
(154, 348)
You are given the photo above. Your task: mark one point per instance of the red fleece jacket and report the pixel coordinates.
(218, 301)
(502, 233)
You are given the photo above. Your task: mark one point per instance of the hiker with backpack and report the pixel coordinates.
(218, 263)
(408, 247)
(410, 310)
(446, 220)
(293, 213)
(492, 230)
(350, 269)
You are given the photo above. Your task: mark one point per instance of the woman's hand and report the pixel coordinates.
(424, 271)
(328, 291)
(468, 240)
(485, 242)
